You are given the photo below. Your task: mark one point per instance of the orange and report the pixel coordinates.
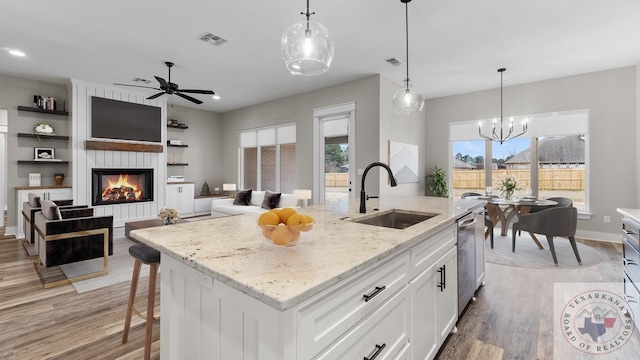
(296, 236)
(285, 213)
(276, 210)
(310, 220)
(268, 218)
(281, 235)
(267, 231)
(296, 222)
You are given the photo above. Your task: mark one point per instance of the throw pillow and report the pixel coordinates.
(288, 200)
(34, 200)
(271, 200)
(243, 197)
(50, 210)
(257, 197)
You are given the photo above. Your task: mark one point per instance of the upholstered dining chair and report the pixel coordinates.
(562, 202)
(487, 222)
(556, 221)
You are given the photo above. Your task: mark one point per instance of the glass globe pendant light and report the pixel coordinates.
(407, 100)
(307, 47)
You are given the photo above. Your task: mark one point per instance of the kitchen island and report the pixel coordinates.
(227, 293)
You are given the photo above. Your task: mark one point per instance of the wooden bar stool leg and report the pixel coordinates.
(153, 272)
(132, 295)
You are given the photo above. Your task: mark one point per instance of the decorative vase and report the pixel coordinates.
(508, 194)
(59, 178)
(168, 221)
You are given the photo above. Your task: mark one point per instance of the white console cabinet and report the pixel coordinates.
(181, 197)
(45, 193)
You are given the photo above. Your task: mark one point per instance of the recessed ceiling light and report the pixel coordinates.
(17, 53)
(216, 97)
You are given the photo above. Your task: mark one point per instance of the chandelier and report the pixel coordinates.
(504, 134)
(406, 100)
(307, 47)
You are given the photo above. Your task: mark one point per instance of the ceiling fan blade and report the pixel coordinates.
(140, 86)
(156, 95)
(208, 92)
(163, 83)
(188, 98)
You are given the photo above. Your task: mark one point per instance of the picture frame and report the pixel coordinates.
(44, 154)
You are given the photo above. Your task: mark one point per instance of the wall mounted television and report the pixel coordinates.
(121, 120)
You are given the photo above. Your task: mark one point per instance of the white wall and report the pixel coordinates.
(410, 129)
(85, 160)
(610, 97)
(204, 154)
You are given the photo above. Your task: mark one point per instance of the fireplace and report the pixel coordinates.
(118, 186)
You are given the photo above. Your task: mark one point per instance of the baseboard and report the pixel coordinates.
(598, 236)
(592, 235)
(11, 230)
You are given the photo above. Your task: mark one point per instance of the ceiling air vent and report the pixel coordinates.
(393, 61)
(140, 80)
(209, 38)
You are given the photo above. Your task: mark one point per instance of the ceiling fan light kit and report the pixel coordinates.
(504, 134)
(169, 88)
(307, 47)
(406, 100)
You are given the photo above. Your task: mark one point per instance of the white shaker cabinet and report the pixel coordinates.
(434, 295)
(181, 197)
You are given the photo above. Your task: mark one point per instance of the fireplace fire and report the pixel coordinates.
(116, 186)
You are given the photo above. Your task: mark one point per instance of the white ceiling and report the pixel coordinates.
(455, 46)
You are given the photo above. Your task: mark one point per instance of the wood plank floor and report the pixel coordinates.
(511, 319)
(58, 323)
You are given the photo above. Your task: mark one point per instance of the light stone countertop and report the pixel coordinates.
(230, 250)
(631, 213)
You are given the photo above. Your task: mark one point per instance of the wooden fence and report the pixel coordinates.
(336, 179)
(548, 179)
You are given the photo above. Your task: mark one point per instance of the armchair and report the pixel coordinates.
(556, 221)
(31, 207)
(71, 235)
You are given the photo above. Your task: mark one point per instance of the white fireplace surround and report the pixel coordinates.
(83, 161)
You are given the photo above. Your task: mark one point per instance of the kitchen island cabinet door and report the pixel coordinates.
(434, 306)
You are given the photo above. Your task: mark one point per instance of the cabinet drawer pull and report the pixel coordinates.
(628, 262)
(628, 232)
(375, 292)
(443, 276)
(377, 352)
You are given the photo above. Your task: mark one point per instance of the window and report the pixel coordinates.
(552, 161)
(268, 159)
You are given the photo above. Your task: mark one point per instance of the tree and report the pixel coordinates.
(333, 158)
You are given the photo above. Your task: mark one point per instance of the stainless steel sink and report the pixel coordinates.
(395, 218)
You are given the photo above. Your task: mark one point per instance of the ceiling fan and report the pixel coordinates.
(170, 88)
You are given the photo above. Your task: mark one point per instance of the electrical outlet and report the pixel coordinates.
(607, 219)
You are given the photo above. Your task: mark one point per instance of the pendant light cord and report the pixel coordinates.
(406, 17)
(308, 15)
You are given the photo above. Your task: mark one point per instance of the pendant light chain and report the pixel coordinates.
(308, 15)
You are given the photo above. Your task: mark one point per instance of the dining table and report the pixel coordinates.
(504, 210)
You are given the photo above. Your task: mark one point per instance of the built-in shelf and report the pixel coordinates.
(40, 162)
(43, 136)
(177, 164)
(174, 145)
(177, 126)
(43, 111)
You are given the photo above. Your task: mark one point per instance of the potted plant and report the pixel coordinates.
(437, 182)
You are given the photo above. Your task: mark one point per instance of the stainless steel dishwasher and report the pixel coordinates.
(466, 236)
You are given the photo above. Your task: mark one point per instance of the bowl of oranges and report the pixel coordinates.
(284, 226)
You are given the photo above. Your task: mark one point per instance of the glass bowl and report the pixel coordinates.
(283, 235)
